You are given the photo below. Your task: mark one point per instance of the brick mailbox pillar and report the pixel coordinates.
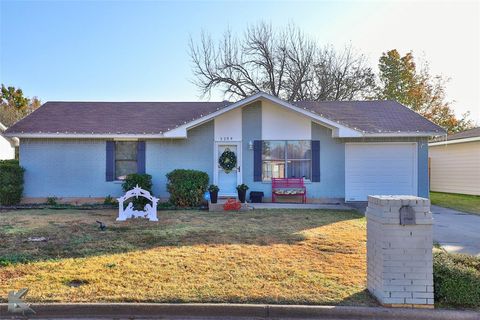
(399, 251)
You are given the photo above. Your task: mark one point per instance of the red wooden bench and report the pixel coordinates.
(289, 187)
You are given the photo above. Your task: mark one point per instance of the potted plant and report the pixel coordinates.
(213, 190)
(242, 192)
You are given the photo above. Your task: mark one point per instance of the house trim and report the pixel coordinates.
(88, 136)
(440, 143)
(401, 134)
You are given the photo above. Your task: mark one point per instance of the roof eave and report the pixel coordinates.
(403, 134)
(181, 133)
(440, 143)
(84, 136)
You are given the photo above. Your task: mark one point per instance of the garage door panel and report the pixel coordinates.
(379, 169)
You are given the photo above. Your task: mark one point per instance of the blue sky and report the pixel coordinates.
(138, 51)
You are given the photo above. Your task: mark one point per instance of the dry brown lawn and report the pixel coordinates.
(263, 256)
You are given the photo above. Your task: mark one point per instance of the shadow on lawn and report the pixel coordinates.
(364, 298)
(74, 233)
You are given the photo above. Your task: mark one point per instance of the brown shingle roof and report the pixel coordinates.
(159, 117)
(471, 133)
(112, 117)
(372, 116)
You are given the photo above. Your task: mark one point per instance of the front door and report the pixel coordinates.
(227, 180)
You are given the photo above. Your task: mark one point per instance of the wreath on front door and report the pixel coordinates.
(227, 160)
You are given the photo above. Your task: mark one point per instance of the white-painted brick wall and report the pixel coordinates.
(399, 258)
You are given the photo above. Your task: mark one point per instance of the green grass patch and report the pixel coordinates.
(460, 202)
(13, 258)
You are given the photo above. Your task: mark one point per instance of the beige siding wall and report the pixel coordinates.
(455, 168)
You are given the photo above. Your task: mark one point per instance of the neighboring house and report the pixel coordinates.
(344, 150)
(7, 145)
(455, 163)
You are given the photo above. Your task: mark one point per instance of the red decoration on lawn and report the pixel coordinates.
(232, 205)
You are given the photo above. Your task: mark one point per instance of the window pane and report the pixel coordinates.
(126, 150)
(273, 169)
(125, 167)
(125, 158)
(273, 150)
(299, 169)
(299, 150)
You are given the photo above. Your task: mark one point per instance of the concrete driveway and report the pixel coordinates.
(456, 231)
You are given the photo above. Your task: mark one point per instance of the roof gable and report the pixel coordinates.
(338, 129)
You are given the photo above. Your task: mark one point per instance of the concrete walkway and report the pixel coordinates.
(456, 231)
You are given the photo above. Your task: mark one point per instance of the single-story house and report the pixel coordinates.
(343, 150)
(455, 163)
(7, 145)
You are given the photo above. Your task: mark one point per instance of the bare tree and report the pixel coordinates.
(287, 64)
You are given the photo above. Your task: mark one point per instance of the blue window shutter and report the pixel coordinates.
(141, 157)
(257, 160)
(315, 161)
(110, 163)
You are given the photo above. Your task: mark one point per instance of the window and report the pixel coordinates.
(125, 158)
(286, 159)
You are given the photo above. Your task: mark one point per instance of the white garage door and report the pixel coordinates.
(380, 168)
